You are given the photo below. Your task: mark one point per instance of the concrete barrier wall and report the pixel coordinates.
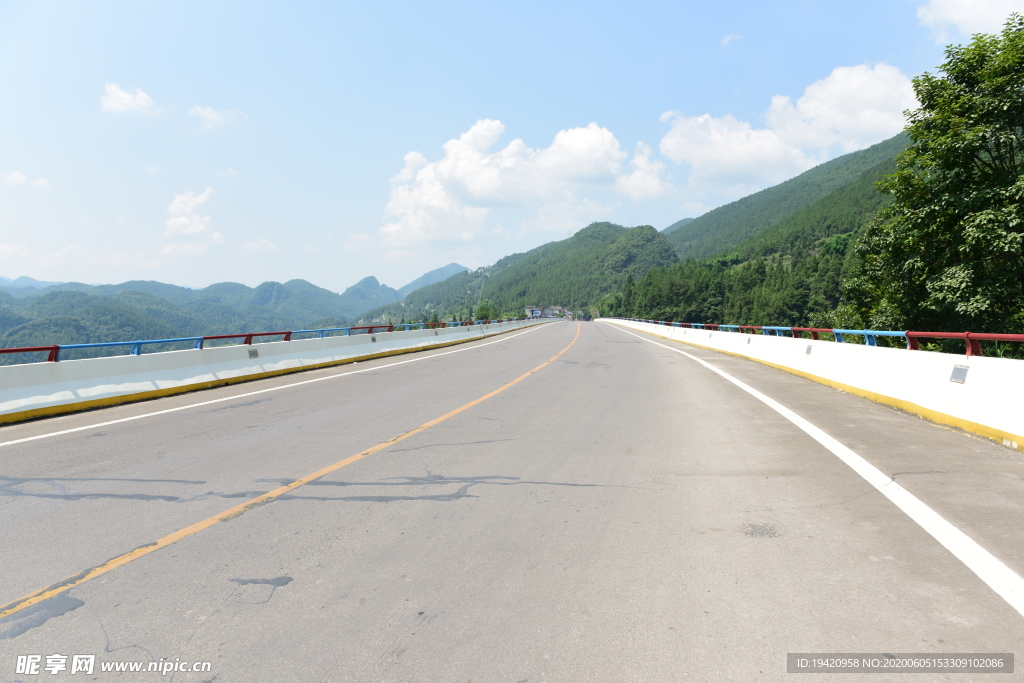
(37, 389)
(989, 402)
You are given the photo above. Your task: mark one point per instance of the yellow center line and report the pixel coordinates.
(256, 502)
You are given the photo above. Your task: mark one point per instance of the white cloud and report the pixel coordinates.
(967, 17)
(120, 101)
(852, 108)
(14, 178)
(183, 217)
(424, 210)
(729, 156)
(228, 172)
(565, 218)
(731, 37)
(259, 244)
(210, 117)
(185, 220)
(17, 179)
(646, 177)
(449, 200)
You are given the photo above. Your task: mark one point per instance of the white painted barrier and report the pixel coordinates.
(36, 389)
(987, 401)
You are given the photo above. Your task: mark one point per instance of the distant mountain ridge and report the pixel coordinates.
(437, 275)
(26, 282)
(678, 224)
(727, 226)
(575, 273)
(74, 313)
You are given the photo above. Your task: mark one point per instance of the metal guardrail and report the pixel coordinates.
(972, 339)
(53, 351)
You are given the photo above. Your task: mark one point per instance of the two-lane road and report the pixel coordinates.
(620, 513)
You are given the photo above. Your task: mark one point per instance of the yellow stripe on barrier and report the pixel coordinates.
(79, 406)
(1008, 439)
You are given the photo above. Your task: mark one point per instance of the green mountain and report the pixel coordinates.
(25, 282)
(789, 273)
(727, 226)
(229, 306)
(369, 294)
(455, 296)
(574, 273)
(678, 224)
(80, 318)
(76, 313)
(366, 294)
(437, 275)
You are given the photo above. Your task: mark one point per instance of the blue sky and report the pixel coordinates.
(195, 143)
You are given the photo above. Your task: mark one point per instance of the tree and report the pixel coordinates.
(485, 310)
(948, 254)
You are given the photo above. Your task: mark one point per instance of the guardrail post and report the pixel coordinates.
(838, 336)
(869, 339)
(54, 354)
(136, 349)
(973, 345)
(287, 336)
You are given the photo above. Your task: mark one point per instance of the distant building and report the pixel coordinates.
(546, 311)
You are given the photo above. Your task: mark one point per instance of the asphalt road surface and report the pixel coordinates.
(621, 513)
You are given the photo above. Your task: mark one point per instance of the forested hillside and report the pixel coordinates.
(678, 224)
(437, 275)
(787, 274)
(575, 273)
(727, 226)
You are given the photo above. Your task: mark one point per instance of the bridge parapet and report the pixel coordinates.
(50, 387)
(979, 394)
(972, 339)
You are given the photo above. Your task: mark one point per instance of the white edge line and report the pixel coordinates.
(1004, 581)
(505, 337)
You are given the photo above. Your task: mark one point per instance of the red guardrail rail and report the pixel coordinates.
(972, 339)
(247, 336)
(798, 332)
(51, 350)
(370, 328)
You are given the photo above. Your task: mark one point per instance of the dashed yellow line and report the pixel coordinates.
(256, 502)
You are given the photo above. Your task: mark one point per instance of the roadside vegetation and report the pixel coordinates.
(931, 237)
